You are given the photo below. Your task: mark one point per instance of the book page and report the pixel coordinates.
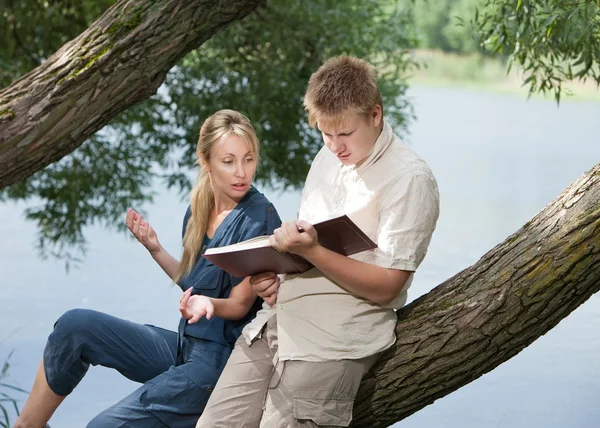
(256, 242)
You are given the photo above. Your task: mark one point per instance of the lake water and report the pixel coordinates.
(498, 160)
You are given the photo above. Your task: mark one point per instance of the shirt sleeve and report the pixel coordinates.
(408, 212)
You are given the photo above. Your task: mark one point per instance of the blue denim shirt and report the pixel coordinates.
(253, 216)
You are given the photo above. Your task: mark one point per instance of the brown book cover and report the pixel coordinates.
(254, 256)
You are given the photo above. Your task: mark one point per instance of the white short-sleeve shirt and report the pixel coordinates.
(393, 197)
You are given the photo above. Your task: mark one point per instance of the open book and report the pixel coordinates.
(255, 255)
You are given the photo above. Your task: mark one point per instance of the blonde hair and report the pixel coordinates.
(216, 129)
(342, 86)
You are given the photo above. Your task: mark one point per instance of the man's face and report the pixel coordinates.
(352, 139)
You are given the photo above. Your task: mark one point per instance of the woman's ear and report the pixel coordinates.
(204, 164)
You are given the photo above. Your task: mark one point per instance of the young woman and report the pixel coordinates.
(178, 369)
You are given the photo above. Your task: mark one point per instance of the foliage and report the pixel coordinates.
(259, 66)
(460, 33)
(33, 29)
(444, 24)
(552, 40)
(6, 400)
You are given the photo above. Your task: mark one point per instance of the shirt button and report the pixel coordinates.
(281, 306)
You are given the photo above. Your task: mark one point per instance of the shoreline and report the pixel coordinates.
(482, 74)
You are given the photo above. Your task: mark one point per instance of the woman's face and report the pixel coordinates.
(232, 166)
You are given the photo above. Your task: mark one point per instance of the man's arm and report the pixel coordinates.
(375, 283)
(408, 210)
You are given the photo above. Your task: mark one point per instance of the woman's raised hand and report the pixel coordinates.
(142, 230)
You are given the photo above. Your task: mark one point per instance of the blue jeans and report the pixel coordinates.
(173, 393)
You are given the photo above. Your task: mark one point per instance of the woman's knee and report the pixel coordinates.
(70, 332)
(78, 326)
(63, 365)
(75, 320)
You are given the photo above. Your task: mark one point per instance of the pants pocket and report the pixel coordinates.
(323, 392)
(177, 393)
(324, 412)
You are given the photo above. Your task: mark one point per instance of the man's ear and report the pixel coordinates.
(377, 115)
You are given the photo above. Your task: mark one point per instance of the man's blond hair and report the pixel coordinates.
(342, 86)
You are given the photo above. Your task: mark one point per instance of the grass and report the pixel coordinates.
(6, 399)
(481, 73)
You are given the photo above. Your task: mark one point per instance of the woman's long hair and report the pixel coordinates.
(216, 129)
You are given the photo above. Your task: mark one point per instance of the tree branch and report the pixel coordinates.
(118, 61)
(488, 313)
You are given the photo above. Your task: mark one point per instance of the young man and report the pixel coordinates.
(300, 362)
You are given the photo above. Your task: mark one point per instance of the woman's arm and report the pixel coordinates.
(146, 235)
(168, 263)
(235, 307)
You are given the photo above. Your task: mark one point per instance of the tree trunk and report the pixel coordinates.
(489, 312)
(119, 60)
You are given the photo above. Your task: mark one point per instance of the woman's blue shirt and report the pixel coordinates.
(253, 216)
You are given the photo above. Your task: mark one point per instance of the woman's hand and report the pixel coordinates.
(142, 231)
(194, 307)
(266, 286)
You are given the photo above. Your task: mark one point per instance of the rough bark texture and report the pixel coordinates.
(119, 60)
(489, 312)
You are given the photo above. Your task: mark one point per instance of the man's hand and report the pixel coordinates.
(194, 307)
(266, 286)
(288, 238)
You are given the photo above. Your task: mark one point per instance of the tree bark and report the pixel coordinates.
(489, 312)
(119, 60)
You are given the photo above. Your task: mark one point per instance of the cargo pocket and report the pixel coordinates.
(323, 392)
(176, 393)
(324, 412)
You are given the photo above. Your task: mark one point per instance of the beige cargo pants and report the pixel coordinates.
(254, 392)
